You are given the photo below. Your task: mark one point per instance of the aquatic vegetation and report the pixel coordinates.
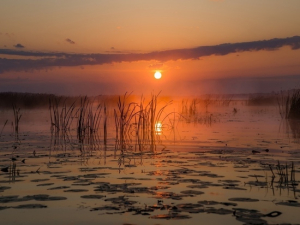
(139, 121)
(289, 104)
(88, 121)
(261, 99)
(17, 117)
(3, 128)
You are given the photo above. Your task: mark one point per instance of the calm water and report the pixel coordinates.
(213, 167)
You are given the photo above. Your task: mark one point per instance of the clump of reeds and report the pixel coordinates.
(294, 111)
(225, 100)
(88, 123)
(61, 115)
(286, 173)
(154, 114)
(139, 121)
(261, 99)
(289, 104)
(189, 109)
(294, 126)
(207, 101)
(123, 121)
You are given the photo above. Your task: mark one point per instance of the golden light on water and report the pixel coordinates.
(158, 128)
(157, 75)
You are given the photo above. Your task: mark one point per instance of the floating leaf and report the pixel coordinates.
(30, 206)
(170, 216)
(289, 203)
(243, 199)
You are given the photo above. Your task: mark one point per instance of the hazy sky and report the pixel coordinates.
(113, 46)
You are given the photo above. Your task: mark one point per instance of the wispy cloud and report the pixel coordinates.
(70, 41)
(156, 66)
(52, 59)
(19, 46)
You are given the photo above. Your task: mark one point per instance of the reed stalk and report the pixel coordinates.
(17, 117)
(105, 127)
(3, 127)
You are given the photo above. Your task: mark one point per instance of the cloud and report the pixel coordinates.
(60, 59)
(156, 66)
(70, 41)
(19, 46)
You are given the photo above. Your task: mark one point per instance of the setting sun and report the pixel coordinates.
(157, 75)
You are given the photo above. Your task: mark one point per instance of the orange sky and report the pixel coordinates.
(108, 47)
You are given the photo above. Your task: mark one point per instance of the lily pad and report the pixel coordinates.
(199, 186)
(249, 216)
(3, 188)
(45, 184)
(59, 187)
(234, 188)
(30, 206)
(11, 198)
(39, 180)
(93, 196)
(289, 203)
(173, 216)
(189, 207)
(44, 197)
(208, 202)
(105, 208)
(220, 211)
(243, 199)
(76, 190)
(192, 192)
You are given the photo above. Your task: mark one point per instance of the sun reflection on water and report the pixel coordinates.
(158, 128)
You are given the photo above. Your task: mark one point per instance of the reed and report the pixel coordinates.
(283, 102)
(286, 174)
(88, 123)
(289, 104)
(124, 114)
(3, 127)
(105, 127)
(261, 99)
(294, 110)
(61, 115)
(226, 100)
(207, 101)
(138, 120)
(17, 118)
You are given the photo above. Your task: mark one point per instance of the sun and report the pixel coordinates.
(157, 75)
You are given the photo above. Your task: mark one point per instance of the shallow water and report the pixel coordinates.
(215, 172)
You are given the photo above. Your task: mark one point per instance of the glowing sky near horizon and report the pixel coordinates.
(107, 47)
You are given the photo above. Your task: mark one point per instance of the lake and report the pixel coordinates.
(213, 163)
